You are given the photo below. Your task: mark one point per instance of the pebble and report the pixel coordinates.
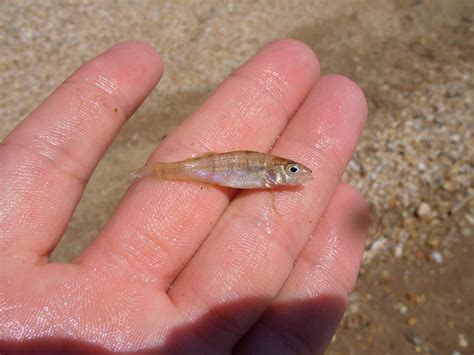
(462, 341)
(354, 308)
(415, 298)
(412, 337)
(432, 242)
(398, 251)
(376, 248)
(354, 297)
(437, 257)
(403, 309)
(356, 321)
(470, 218)
(448, 186)
(385, 276)
(466, 232)
(423, 210)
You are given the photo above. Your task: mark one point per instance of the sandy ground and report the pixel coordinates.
(413, 59)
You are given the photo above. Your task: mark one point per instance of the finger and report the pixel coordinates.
(305, 314)
(251, 250)
(47, 160)
(160, 224)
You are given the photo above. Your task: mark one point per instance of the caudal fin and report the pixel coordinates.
(161, 171)
(146, 171)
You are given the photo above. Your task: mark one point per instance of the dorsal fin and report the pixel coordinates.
(206, 154)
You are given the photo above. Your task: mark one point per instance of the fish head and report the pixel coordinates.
(296, 173)
(289, 172)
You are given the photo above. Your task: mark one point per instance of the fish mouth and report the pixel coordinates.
(304, 178)
(300, 179)
(305, 175)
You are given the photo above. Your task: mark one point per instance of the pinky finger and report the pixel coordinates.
(305, 314)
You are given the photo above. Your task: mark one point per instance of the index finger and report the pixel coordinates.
(48, 158)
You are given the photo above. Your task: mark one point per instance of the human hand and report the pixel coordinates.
(184, 267)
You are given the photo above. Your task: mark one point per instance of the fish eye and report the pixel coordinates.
(293, 169)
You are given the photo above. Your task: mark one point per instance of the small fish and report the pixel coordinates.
(239, 169)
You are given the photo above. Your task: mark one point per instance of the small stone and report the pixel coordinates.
(448, 186)
(354, 307)
(432, 242)
(356, 321)
(415, 298)
(423, 210)
(412, 321)
(420, 255)
(385, 277)
(403, 309)
(412, 337)
(466, 232)
(437, 257)
(462, 341)
(354, 297)
(421, 299)
(470, 219)
(398, 251)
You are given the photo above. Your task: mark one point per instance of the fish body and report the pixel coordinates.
(238, 169)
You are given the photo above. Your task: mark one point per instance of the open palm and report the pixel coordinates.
(184, 267)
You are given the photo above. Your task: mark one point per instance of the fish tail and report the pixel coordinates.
(162, 171)
(146, 171)
(168, 171)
